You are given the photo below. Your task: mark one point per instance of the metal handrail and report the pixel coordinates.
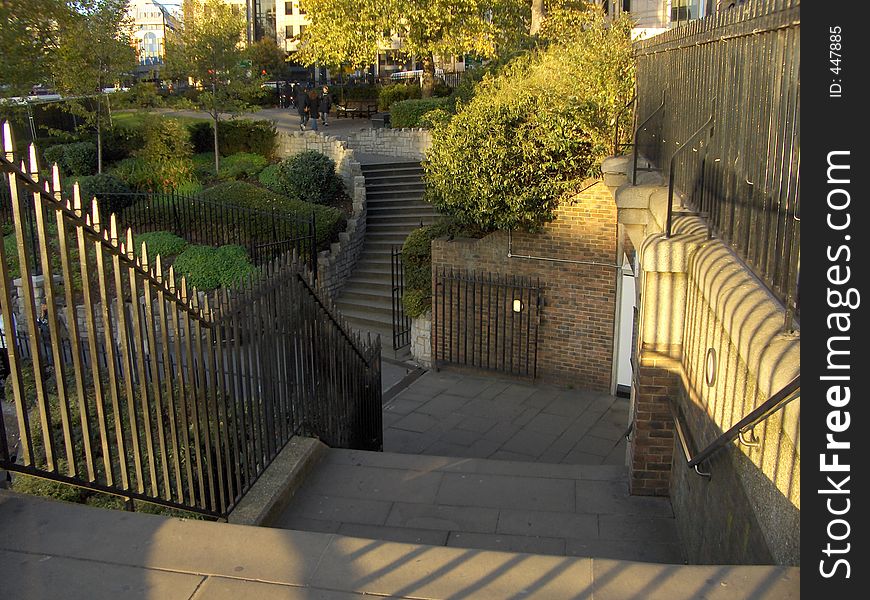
(616, 125)
(746, 424)
(710, 122)
(637, 133)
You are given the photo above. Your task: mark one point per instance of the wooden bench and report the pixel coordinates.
(354, 109)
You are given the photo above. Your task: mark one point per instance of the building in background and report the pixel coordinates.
(151, 21)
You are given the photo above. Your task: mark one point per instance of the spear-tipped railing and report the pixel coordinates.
(126, 380)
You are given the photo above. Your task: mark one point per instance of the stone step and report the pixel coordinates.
(397, 238)
(365, 317)
(397, 168)
(564, 510)
(390, 194)
(172, 558)
(389, 186)
(376, 179)
(360, 296)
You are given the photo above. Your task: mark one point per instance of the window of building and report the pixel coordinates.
(289, 31)
(301, 29)
(288, 8)
(626, 5)
(301, 10)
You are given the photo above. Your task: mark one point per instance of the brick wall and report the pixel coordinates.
(575, 342)
(656, 380)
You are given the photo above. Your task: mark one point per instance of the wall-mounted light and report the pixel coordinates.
(710, 367)
(518, 306)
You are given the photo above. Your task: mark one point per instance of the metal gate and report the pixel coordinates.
(401, 321)
(487, 321)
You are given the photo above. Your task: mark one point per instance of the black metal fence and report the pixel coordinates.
(728, 133)
(130, 383)
(486, 321)
(401, 321)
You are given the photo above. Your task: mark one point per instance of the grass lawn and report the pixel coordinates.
(135, 118)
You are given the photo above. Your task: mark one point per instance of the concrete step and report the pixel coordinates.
(360, 296)
(48, 552)
(397, 168)
(564, 510)
(397, 238)
(389, 186)
(376, 179)
(410, 223)
(401, 195)
(403, 210)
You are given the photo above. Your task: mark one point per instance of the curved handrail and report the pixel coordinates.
(637, 133)
(762, 412)
(616, 124)
(710, 123)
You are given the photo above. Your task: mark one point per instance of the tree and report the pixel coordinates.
(93, 52)
(353, 31)
(27, 37)
(533, 131)
(267, 58)
(207, 47)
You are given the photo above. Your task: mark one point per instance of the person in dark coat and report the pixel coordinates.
(325, 105)
(314, 108)
(303, 107)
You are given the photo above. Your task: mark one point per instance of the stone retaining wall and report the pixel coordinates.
(401, 143)
(421, 339)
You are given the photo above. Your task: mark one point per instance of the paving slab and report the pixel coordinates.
(649, 551)
(502, 491)
(611, 497)
(223, 588)
(417, 422)
(408, 535)
(338, 508)
(396, 569)
(374, 483)
(445, 518)
(29, 576)
(508, 543)
(547, 523)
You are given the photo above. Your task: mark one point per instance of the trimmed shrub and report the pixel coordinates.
(166, 156)
(408, 112)
(78, 158)
(238, 135)
(309, 176)
(113, 195)
(164, 243)
(243, 165)
(329, 220)
(203, 166)
(121, 142)
(417, 260)
(207, 268)
(396, 93)
(434, 118)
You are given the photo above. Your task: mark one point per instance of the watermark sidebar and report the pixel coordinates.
(834, 303)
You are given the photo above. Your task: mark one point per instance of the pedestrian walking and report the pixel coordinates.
(314, 106)
(302, 107)
(325, 105)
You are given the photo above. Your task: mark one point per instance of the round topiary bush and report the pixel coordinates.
(270, 178)
(78, 158)
(164, 243)
(309, 176)
(112, 194)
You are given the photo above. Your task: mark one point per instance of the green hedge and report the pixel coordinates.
(78, 158)
(121, 142)
(207, 268)
(242, 165)
(329, 221)
(417, 261)
(270, 178)
(309, 176)
(164, 243)
(409, 112)
(239, 135)
(397, 92)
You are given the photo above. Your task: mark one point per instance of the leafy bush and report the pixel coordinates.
(309, 176)
(113, 195)
(207, 268)
(239, 135)
(121, 142)
(534, 131)
(78, 158)
(417, 260)
(164, 161)
(203, 166)
(407, 113)
(329, 220)
(164, 243)
(396, 93)
(270, 178)
(242, 166)
(434, 118)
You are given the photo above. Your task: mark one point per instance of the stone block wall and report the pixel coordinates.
(421, 339)
(575, 339)
(401, 143)
(336, 264)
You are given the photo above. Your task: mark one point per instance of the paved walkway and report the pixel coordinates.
(449, 413)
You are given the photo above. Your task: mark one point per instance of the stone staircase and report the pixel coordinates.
(535, 508)
(394, 195)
